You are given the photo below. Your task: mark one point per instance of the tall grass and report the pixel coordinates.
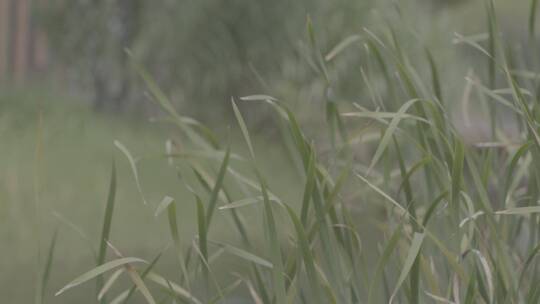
(453, 221)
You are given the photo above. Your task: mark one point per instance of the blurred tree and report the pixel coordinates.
(90, 36)
(201, 52)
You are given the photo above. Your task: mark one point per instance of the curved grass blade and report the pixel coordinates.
(385, 140)
(138, 281)
(133, 166)
(340, 47)
(143, 275)
(432, 208)
(409, 261)
(110, 282)
(163, 205)
(98, 271)
(519, 210)
(245, 255)
(170, 286)
(242, 203)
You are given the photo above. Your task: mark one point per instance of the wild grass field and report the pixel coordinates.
(418, 185)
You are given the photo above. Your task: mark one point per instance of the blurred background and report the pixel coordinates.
(68, 90)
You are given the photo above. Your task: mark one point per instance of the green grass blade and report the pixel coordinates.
(383, 260)
(143, 275)
(217, 188)
(434, 76)
(203, 228)
(106, 228)
(243, 254)
(175, 235)
(175, 288)
(109, 283)
(457, 174)
(98, 271)
(409, 261)
(48, 265)
(307, 256)
(532, 16)
(519, 211)
(163, 205)
(385, 140)
(275, 246)
(133, 166)
(340, 47)
(243, 128)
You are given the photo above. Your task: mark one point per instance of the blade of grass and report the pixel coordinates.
(383, 260)
(143, 275)
(243, 128)
(133, 166)
(109, 283)
(164, 283)
(48, 264)
(532, 17)
(409, 261)
(98, 271)
(385, 140)
(217, 188)
(106, 228)
(275, 247)
(307, 256)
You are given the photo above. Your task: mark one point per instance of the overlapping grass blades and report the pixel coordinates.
(429, 216)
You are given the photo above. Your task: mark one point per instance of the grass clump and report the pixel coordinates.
(431, 217)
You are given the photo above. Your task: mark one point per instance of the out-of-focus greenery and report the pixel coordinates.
(201, 52)
(204, 52)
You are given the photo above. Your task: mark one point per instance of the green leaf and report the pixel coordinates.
(344, 44)
(133, 166)
(243, 127)
(409, 261)
(383, 260)
(248, 256)
(434, 76)
(385, 140)
(275, 246)
(217, 187)
(307, 256)
(124, 299)
(203, 230)
(107, 220)
(98, 271)
(163, 205)
(177, 289)
(48, 265)
(532, 16)
(109, 283)
(520, 210)
(457, 174)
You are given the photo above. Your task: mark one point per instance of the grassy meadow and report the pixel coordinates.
(407, 170)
